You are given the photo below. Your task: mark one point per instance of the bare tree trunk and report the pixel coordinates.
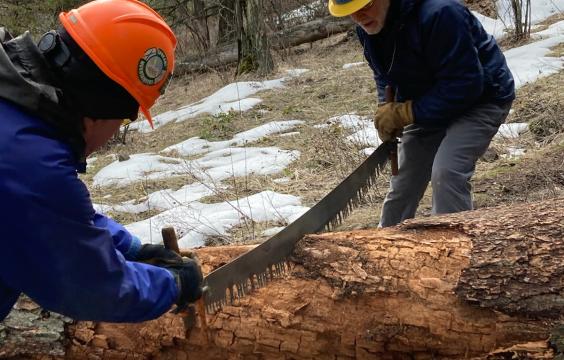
(227, 22)
(454, 286)
(200, 19)
(522, 18)
(254, 46)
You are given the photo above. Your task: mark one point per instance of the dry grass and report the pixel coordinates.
(541, 105)
(559, 16)
(536, 176)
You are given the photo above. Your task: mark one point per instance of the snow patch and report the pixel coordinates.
(196, 145)
(196, 221)
(512, 131)
(233, 97)
(351, 65)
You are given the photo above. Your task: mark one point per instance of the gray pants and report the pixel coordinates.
(446, 157)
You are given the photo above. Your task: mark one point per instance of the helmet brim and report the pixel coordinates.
(340, 10)
(148, 116)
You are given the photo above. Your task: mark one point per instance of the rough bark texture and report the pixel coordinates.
(478, 284)
(254, 45)
(30, 330)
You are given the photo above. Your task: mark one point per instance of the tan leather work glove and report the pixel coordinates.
(391, 118)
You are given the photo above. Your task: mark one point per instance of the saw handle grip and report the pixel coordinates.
(170, 242)
(389, 97)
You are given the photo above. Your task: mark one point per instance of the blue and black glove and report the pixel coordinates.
(186, 271)
(189, 280)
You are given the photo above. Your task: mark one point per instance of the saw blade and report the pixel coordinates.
(258, 266)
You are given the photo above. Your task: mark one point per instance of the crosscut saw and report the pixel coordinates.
(268, 260)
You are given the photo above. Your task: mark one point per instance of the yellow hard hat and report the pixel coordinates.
(341, 8)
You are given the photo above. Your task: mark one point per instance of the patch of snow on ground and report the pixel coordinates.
(91, 160)
(512, 131)
(351, 65)
(296, 72)
(138, 167)
(283, 180)
(514, 151)
(540, 10)
(196, 146)
(164, 199)
(234, 96)
(215, 166)
(553, 30)
(196, 221)
(363, 126)
(235, 162)
(293, 133)
(529, 62)
(304, 12)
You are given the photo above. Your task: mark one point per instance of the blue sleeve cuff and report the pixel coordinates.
(131, 253)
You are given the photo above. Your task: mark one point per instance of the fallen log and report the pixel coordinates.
(456, 286)
(304, 33)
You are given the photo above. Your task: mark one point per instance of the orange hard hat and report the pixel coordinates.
(129, 42)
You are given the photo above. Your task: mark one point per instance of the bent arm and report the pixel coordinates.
(55, 253)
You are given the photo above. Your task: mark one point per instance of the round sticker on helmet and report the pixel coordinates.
(152, 67)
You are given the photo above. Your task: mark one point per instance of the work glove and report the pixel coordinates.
(189, 281)
(157, 255)
(391, 118)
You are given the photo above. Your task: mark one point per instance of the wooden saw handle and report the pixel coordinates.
(170, 242)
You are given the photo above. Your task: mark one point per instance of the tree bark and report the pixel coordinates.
(201, 23)
(455, 286)
(253, 44)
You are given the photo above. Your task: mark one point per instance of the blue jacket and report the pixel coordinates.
(437, 54)
(54, 247)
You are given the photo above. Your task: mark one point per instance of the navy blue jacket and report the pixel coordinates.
(437, 54)
(54, 247)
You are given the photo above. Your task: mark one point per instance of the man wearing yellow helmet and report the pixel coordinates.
(60, 100)
(452, 88)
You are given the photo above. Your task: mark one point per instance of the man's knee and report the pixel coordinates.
(447, 179)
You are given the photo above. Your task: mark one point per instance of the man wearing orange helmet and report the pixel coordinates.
(60, 100)
(452, 88)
